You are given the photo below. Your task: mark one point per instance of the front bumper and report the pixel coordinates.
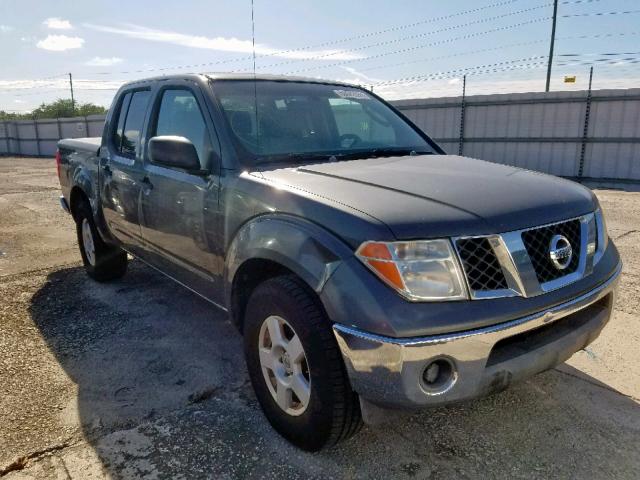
(389, 371)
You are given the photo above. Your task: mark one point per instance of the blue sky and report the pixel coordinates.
(404, 48)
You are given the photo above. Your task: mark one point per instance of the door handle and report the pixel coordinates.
(106, 170)
(147, 186)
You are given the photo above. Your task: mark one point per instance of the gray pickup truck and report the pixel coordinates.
(366, 269)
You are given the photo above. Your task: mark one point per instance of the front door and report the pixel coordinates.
(180, 209)
(121, 169)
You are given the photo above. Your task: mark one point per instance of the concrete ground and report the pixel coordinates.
(141, 378)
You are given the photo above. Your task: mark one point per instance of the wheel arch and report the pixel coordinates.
(77, 196)
(274, 245)
(85, 187)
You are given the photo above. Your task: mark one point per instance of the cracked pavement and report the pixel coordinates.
(141, 378)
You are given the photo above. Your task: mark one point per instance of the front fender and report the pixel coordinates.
(308, 250)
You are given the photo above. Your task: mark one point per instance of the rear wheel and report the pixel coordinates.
(296, 367)
(102, 262)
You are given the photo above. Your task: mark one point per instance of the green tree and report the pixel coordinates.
(61, 108)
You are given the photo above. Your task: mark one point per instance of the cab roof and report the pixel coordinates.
(239, 76)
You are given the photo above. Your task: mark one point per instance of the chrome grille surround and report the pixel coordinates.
(537, 242)
(517, 267)
(481, 266)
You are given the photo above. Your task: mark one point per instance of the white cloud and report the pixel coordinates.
(60, 43)
(38, 91)
(454, 81)
(57, 83)
(360, 75)
(222, 44)
(103, 61)
(56, 23)
(6, 28)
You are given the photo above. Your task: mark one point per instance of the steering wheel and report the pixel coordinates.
(348, 140)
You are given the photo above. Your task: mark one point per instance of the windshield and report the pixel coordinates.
(296, 121)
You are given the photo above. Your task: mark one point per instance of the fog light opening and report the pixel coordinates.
(438, 376)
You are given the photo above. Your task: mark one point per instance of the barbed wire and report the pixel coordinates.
(595, 54)
(499, 47)
(383, 54)
(568, 59)
(620, 61)
(457, 71)
(417, 47)
(341, 40)
(410, 37)
(600, 14)
(453, 55)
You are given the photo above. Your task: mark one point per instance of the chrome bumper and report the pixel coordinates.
(64, 205)
(390, 371)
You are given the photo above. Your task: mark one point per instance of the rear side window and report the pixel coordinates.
(134, 122)
(179, 114)
(117, 135)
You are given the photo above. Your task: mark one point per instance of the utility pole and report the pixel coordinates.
(73, 102)
(553, 41)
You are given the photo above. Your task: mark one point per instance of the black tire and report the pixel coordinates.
(110, 261)
(333, 411)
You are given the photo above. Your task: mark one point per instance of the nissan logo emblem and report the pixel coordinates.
(560, 252)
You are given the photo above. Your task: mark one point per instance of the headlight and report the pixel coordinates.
(426, 270)
(602, 235)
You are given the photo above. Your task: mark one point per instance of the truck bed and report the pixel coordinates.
(78, 158)
(89, 144)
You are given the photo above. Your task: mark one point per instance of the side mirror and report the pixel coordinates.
(174, 151)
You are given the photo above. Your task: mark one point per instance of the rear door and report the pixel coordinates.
(122, 168)
(180, 218)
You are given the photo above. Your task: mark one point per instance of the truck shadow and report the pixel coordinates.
(162, 389)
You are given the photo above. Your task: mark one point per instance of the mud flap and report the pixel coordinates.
(375, 415)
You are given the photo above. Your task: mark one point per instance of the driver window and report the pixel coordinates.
(351, 119)
(180, 115)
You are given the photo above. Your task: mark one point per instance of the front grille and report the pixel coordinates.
(481, 264)
(537, 242)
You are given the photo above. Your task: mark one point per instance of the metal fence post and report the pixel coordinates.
(6, 136)
(462, 113)
(18, 139)
(585, 132)
(35, 129)
(59, 129)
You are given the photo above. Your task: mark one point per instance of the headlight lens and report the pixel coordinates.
(602, 235)
(425, 270)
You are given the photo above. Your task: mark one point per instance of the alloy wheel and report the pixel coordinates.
(284, 365)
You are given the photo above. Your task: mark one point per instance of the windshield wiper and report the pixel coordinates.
(301, 157)
(383, 152)
(379, 152)
(291, 157)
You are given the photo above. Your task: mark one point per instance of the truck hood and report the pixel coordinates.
(432, 196)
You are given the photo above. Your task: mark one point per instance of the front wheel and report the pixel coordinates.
(102, 262)
(296, 367)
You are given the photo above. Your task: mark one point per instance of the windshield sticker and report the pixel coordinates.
(352, 94)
